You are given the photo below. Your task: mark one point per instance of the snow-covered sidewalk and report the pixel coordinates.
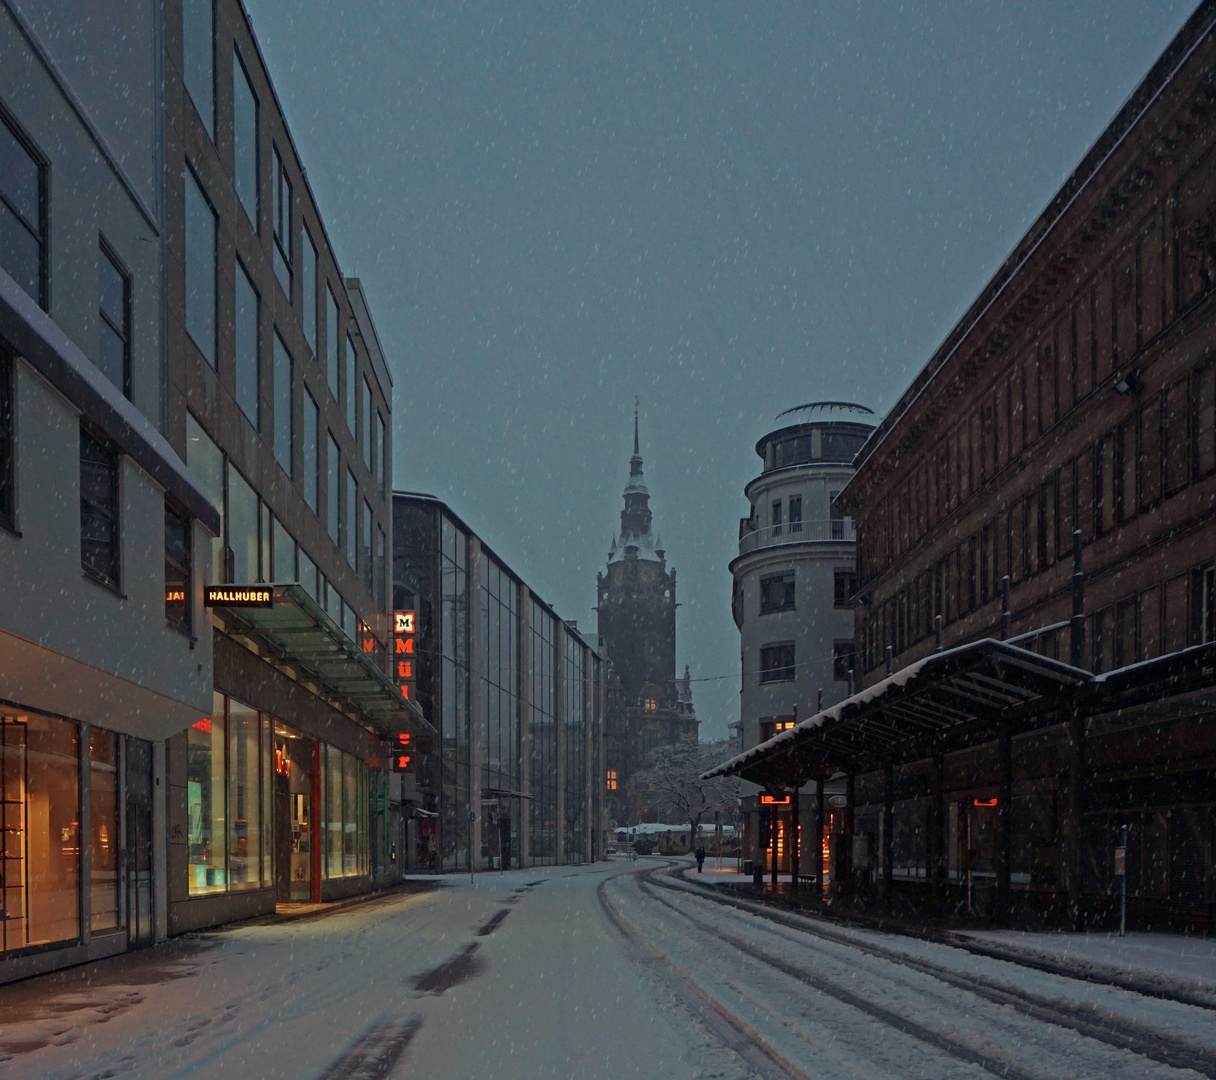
(1167, 959)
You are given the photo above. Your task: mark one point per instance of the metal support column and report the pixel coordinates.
(844, 859)
(772, 843)
(795, 839)
(888, 822)
(937, 833)
(1004, 826)
(819, 826)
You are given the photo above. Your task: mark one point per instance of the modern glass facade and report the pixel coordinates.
(514, 693)
(542, 725)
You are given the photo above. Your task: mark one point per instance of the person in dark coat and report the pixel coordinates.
(700, 854)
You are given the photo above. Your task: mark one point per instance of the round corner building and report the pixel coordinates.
(794, 578)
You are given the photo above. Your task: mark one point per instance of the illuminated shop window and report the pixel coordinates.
(103, 830)
(612, 779)
(205, 803)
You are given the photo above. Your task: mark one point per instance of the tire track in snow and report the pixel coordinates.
(1118, 1032)
(732, 1031)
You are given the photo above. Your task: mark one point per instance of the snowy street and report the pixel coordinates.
(610, 970)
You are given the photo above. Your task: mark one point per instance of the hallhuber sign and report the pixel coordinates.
(237, 596)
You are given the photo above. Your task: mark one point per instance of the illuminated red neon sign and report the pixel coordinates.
(774, 800)
(404, 627)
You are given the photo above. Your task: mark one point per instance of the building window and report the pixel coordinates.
(283, 554)
(244, 548)
(650, 705)
(312, 452)
(331, 342)
(22, 214)
(177, 569)
(777, 662)
(281, 222)
(205, 803)
(331, 493)
(245, 169)
(837, 518)
(777, 518)
(103, 830)
(776, 593)
(844, 585)
(843, 660)
(795, 513)
(247, 373)
(381, 462)
(99, 554)
(198, 58)
(8, 485)
(351, 523)
(284, 428)
(378, 594)
(40, 793)
(367, 427)
(200, 269)
(351, 386)
(368, 565)
(114, 309)
(611, 781)
(244, 797)
(308, 285)
(346, 799)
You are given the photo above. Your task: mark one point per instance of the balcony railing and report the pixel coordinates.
(798, 532)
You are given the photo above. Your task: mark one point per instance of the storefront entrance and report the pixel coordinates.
(293, 814)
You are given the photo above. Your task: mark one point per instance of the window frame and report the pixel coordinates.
(106, 251)
(256, 417)
(771, 672)
(788, 600)
(283, 232)
(284, 449)
(41, 228)
(113, 580)
(254, 213)
(210, 351)
(208, 122)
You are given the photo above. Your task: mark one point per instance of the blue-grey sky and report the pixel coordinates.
(725, 208)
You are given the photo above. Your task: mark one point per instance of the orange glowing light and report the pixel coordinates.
(175, 596)
(403, 762)
(405, 669)
(983, 802)
(203, 725)
(405, 691)
(404, 738)
(774, 800)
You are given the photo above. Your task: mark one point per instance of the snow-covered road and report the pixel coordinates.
(612, 970)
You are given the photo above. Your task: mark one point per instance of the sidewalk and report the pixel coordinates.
(288, 911)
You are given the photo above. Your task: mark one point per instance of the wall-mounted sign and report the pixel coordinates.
(838, 801)
(774, 800)
(402, 754)
(175, 596)
(983, 802)
(403, 651)
(238, 596)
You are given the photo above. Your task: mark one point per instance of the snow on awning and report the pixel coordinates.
(293, 631)
(929, 697)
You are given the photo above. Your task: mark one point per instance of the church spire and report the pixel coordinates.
(635, 539)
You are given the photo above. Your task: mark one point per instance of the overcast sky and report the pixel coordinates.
(727, 209)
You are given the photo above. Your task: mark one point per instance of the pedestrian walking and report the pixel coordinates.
(700, 853)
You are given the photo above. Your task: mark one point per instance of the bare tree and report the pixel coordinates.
(673, 775)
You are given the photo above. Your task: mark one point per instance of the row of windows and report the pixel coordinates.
(777, 591)
(257, 546)
(1161, 447)
(23, 251)
(365, 421)
(1115, 315)
(777, 663)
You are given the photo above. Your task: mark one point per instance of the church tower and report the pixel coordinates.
(648, 706)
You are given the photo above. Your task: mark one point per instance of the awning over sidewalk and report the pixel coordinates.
(931, 698)
(297, 633)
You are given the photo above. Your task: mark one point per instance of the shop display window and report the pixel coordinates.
(206, 802)
(346, 814)
(103, 830)
(40, 796)
(293, 781)
(244, 797)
